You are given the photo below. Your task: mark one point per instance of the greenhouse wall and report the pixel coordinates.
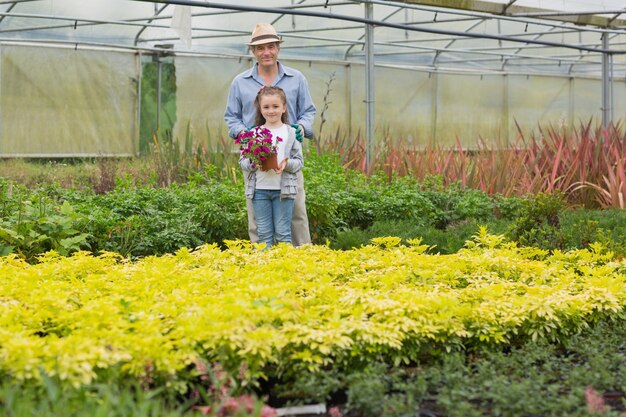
(60, 102)
(416, 106)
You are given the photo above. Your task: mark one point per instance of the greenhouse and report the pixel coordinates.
(101, 78)
(442, 232)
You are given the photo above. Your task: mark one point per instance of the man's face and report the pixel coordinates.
(266, 54)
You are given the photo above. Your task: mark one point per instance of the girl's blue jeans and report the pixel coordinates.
(273, 216)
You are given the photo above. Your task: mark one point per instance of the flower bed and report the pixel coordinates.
(291, 308)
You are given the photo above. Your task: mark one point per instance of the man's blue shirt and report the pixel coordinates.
(240, 111)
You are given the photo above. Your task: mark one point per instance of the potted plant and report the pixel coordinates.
(258, 145)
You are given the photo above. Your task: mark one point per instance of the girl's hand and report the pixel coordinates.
(281, 166)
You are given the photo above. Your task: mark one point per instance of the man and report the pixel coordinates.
(240, 112)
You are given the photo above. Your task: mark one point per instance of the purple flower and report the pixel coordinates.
(257, 145)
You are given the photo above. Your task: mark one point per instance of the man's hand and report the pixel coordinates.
(299, 132)
(240, 140)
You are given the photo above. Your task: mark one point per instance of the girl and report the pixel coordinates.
(273, 192)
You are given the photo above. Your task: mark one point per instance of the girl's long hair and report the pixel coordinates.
(269, 91)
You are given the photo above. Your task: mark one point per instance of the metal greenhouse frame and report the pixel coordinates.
(482, 37)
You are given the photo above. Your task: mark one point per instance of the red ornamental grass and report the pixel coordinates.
(588, 164)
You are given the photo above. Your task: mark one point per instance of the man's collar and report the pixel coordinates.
(282, 70)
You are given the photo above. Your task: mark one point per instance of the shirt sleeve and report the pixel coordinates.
(306, 108)
(296, 161)
(245, 164)
(233, 115)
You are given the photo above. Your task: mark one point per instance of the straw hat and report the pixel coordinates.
(264, 33)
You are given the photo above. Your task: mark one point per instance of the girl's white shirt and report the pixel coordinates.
(270, 180)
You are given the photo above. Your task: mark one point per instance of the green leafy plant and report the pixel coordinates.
(40, 226)
(538, 222)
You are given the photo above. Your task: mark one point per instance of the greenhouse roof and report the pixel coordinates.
(606, 13)
(559, 37)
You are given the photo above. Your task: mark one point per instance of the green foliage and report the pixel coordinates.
(345, 208)
(148, 221)
(536, 378)
(54, 398)
(507, 207)
(367, 390)
(403, 200)
(34, 224)
(583, 227)
(324, 185)
(537, 222)
(340, 203)
(454, 203)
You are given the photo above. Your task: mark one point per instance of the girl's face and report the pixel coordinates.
(272, 108)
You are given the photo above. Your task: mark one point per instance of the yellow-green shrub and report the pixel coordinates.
(290, 308)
